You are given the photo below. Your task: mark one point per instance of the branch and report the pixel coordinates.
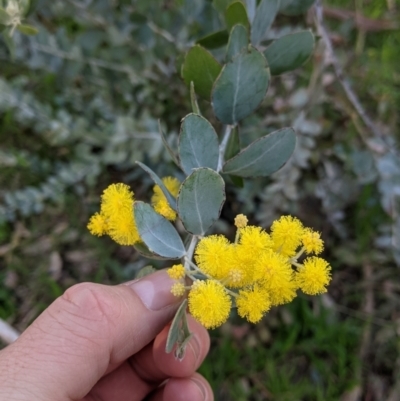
(222, 147)
(7, 333)
(330, 59)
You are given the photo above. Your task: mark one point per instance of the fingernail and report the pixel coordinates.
(194, 343)
(154, 291)
(199, 385)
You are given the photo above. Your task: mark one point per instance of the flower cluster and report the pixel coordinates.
(116, 217)
(259, 270)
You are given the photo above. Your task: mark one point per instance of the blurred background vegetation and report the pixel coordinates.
(80, 102)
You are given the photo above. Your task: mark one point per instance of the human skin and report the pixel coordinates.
(105, 343)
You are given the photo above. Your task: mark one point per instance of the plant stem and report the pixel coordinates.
(190, 251)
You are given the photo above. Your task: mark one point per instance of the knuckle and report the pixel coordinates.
(85, 309)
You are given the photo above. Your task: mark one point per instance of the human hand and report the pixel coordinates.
(103, 343)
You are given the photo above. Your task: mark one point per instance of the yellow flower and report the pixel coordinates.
(160, 202)
(253, 303)
(209, 303)
(178, 289)
(97, 225)
(213, 256)
(254, 240)
(241, 221)
(286, 233)
(122, 228)
(115, 199)
(176, 272)
(277, 277)
(314, 276)
(117, 209)
(312, 241)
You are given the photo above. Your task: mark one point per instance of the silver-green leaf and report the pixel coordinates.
(159, 235)
(240, 87)
(238, 41)
(289, 52)
(200, 200)
(295, 7)
(170, 198)
(144, 251)
(264, 156)
(265, 15)
(179, 333)
(145, 271)
(198, 144)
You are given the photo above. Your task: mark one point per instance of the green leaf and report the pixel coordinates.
(193, 100)
(179, 332)
(289, 52)
(166, 144)
(145, 271)
(232, 149)
(170, 198)
(295, 7)
(222, 5)
(265, 15)
(240, 87)
(27, 29)
(214, 40)
(264, 156)
(233, 146)
(198, 144)
(4, 17)
(238, 41)
(236, 14)
(200, 200)
(144, 251)
(201, 68)
(159, 235)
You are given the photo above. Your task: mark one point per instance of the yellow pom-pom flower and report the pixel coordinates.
(115, 199)
(286, 234)
(176, 272)
(209, 303)
(178, 289)
(213, 256)
(277, 278)
(313, 277)
(252, 304)
(160, 202)
(97, 225)
(312, 241)
(122, 228)
(117, 207)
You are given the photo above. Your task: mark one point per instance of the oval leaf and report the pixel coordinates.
(265, 15)
(159, 235)
(142, 250)
(201, 68)
(145, 271)
(200, 200)
(238, 41)
(222, 5)
(157, 180)
(295, 7)
(214, 40)
(289, 52)
(236, 14)
(198, 144)
(5, 19)
(240, 87)
(28, 29)
(264, 156)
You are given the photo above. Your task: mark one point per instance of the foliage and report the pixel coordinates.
(80, 102)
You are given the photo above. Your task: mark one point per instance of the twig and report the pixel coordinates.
(7, 333)
(330, 58)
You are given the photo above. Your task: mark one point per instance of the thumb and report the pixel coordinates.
(85, 333)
